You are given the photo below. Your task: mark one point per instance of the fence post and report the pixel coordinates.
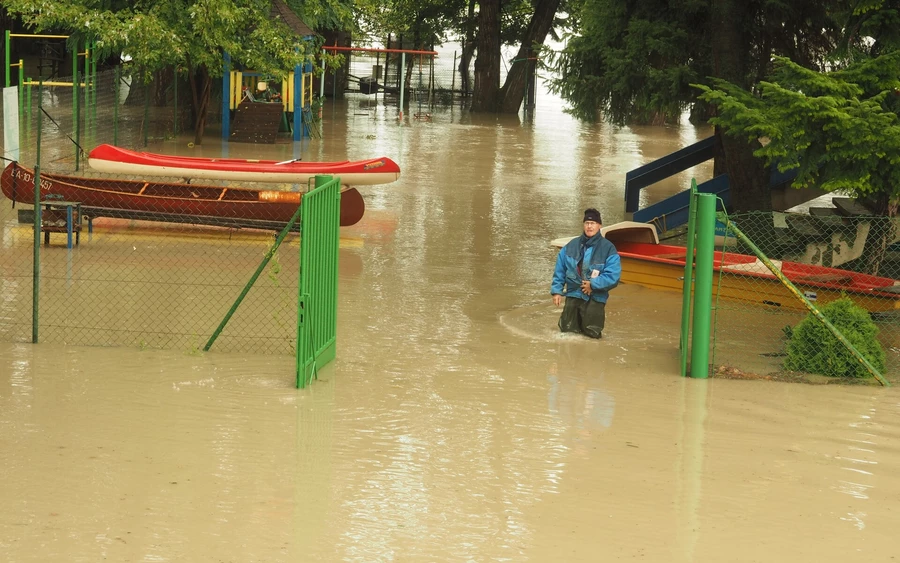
(688, 286)
(118, 77)
(36, 275)
(706, 226)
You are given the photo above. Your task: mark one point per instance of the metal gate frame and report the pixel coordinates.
(317, 288)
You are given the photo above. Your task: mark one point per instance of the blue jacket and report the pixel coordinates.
(601, 257)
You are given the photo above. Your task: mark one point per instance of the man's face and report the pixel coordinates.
(591, 228)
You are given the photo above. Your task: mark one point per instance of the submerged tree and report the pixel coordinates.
(526, 24)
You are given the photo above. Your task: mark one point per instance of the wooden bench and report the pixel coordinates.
(61, 217)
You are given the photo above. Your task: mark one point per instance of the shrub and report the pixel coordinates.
(814, 349)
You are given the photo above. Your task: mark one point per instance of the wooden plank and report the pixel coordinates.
(256, 122)
(851, 207)
(823, 211)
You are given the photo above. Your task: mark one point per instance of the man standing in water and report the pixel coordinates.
(586, 269)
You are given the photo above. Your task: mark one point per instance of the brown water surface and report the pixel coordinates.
(457, 423)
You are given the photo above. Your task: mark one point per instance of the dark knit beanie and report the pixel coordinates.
(591, 214)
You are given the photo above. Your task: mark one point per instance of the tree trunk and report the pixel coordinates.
(486, 94)
(200, 90)
(513, 90)
(747, 175)
(882, 233)
(468, 49)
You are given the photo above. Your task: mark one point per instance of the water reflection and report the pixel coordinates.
(457, 423)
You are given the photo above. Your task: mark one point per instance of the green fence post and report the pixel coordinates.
(688, 286)
(36, 274)
(75, 96)
(28, 108)
(118, 78)
(6, 56)
(706, 238)
(21, 86)
(175, 116)
(146, 112)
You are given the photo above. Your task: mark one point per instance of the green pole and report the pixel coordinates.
(706, 238)
(28, 108)
(262, 265)
(75, 96)
(688, 280)
(76, 108)
(402, 81)
(36, 259)
(87, 100)
(146, 111)
(176, 102)
(94, 58)
(799, 295)
(6, 55)
(118, 77)
(21, 86)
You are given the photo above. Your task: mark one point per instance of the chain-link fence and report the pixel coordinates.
(430, 80)
(155, 261)
(828, 254)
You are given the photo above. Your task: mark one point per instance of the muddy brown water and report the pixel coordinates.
(456, 424)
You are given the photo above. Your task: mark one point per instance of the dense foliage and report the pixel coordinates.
(634, 61)
(163, 33)
(840, 129)
(812, 348)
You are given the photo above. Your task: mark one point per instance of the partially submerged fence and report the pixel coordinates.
(159, 264)
(826, 256)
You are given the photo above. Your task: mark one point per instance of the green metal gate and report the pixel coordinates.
(317, 300)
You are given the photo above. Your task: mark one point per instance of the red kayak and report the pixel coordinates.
(116, 160)
(144, 199)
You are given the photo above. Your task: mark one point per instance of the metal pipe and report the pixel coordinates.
(118, 77)
(706, 235)
(6, 36)
(684, 342)
(402, 81)
(36, 268)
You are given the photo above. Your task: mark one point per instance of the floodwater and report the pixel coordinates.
(456, 423)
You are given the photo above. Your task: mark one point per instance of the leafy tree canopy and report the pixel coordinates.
(192, 33)
(839, 129)
(635, 60)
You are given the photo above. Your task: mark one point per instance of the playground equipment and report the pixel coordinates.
(259, 120)
(88, 85)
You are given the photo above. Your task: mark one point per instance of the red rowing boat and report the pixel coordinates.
(244, 206)
(116, 160)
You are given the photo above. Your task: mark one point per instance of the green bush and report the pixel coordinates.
(814, 349)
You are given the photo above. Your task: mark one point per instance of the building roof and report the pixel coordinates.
(281, 10)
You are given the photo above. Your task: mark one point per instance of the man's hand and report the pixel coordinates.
(557, 300)
(586, 287)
